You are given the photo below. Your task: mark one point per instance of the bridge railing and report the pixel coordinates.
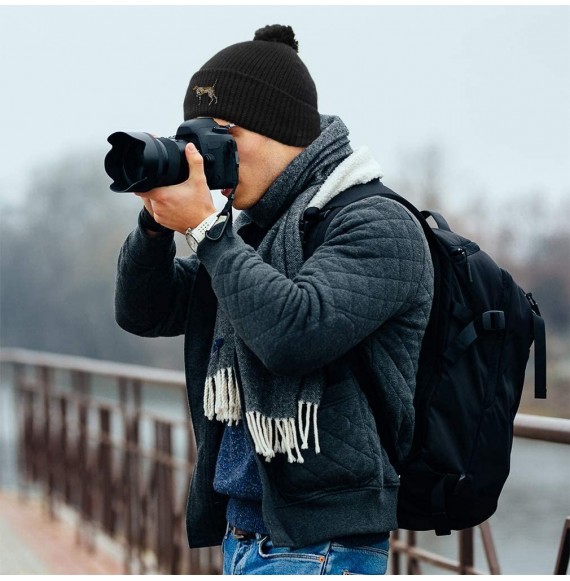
(114, 442)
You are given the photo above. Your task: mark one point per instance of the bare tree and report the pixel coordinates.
(58, 254)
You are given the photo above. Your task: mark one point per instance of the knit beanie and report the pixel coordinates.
(261, 85)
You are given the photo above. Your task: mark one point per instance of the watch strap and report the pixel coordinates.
(199, 233)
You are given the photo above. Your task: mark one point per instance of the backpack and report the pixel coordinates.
(470, 374)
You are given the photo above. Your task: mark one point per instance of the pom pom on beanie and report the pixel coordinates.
(278, 33)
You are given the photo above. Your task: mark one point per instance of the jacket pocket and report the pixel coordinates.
(349, 457)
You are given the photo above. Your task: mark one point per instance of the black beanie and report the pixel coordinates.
(261, 85)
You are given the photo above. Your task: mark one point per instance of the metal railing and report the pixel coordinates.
(90, 438)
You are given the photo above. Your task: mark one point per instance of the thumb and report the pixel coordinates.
(193, 156)
(195, 160)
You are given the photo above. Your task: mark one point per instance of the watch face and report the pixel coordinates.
(192, 242)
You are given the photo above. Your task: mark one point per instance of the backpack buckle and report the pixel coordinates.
(493, 320)
(310, 216)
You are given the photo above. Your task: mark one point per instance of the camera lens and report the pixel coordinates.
(133, 162)
(139, 162)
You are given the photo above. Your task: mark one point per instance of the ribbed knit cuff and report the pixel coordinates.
(147, 222)
(150, 251)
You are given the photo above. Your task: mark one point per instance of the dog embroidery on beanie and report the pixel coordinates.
(206, 91)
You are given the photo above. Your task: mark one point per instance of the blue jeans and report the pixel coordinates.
(258, 556)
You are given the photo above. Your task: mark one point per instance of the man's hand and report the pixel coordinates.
(184, 205)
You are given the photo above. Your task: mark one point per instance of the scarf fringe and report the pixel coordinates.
(280, 435)
(221, 397)
(270, 435)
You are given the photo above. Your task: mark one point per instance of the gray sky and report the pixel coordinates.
(489, 85)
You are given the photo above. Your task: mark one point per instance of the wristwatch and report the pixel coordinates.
(195, 235)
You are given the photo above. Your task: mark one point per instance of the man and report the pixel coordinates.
(291, 476)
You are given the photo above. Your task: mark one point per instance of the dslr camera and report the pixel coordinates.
(139, 162)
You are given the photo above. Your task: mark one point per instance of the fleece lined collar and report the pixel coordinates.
(358, 168)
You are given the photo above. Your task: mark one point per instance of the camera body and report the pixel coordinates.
(139, 162)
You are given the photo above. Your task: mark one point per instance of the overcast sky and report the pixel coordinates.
(490, 86)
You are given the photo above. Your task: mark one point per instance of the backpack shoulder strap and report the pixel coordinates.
(539, 349)
(315, 221)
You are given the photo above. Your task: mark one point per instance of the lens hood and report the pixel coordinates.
(135, 161)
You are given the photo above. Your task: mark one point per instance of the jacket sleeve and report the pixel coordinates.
(153, 287)
(369, 268)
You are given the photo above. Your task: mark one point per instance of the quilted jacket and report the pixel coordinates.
(367, 291)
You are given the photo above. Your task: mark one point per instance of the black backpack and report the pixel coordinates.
(470, 375)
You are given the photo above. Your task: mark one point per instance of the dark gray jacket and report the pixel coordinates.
(361, 305)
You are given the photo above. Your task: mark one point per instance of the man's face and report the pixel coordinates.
(261, 160)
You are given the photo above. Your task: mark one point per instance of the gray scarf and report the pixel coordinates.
(279, 411)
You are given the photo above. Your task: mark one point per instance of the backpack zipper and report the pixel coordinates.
(460, 253)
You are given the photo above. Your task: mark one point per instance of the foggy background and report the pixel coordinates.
(488, 86)
(465, 108)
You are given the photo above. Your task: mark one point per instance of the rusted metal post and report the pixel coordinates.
(45, 382)
(26, 415)
(395, 556)
(128, 487)
(164, 497)
(105, 472)
(215, 561)
(489, 548)
(133, 503)
(84, 532)
(27, 458)
(466, 552)
(63, 460)
(413, 567)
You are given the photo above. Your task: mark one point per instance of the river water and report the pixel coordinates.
(526, 527)
(532, 509)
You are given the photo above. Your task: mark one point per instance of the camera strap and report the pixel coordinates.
(225, 217)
